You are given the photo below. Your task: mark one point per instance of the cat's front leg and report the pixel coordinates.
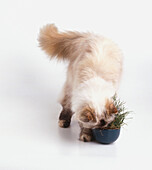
(85, 134)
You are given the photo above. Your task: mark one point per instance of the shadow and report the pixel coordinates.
(70, 134)
(97, 149)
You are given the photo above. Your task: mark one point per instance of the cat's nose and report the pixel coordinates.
(102, 122)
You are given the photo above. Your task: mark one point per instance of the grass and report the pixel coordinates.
(121, 116)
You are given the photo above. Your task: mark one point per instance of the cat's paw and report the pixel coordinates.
(64, 123)
(86, 137)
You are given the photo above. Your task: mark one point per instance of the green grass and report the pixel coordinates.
(121, 116)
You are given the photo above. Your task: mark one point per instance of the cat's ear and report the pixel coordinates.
(113, 109)
(87, 115)
(110, 108)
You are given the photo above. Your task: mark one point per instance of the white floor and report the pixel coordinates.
(30, 138)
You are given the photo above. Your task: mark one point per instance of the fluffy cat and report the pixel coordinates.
(93, 76)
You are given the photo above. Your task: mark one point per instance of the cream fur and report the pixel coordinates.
(93, 93)
(94, 71)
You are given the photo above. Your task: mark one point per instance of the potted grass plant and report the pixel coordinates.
(111, 133)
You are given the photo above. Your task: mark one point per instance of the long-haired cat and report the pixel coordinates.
(93, 76)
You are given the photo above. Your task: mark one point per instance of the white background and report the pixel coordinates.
(30, 84)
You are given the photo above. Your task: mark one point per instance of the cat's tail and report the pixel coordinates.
(62, 45)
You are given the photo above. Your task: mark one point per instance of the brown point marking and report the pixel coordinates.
(110, 108)
(87, 115)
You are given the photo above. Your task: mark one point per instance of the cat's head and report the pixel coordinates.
(90, 117)
(92, 103)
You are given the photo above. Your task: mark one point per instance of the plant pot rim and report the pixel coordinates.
(106, 129)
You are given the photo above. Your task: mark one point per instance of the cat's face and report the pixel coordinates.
(90, 117)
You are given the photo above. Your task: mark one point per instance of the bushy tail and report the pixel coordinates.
(63, 45)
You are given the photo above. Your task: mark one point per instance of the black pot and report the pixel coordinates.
(106, 136)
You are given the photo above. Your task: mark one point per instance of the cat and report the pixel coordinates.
(93, 76)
